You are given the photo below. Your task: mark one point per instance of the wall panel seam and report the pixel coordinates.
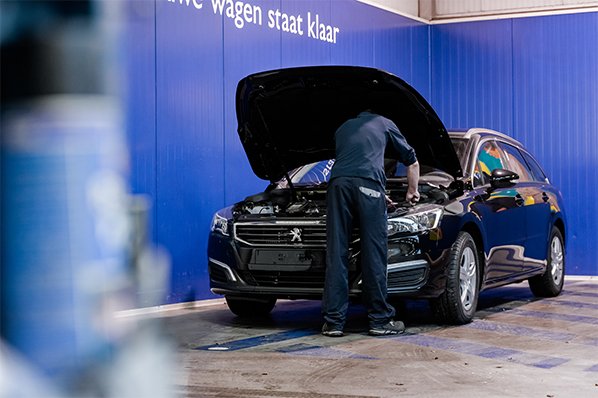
(224, 127)
(155, 204)
(513, 124)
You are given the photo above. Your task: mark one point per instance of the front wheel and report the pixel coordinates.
(250, 307)
(458, 303)
(550, 283)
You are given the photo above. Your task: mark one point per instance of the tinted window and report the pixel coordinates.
(314, 173)
(490, 157)
(516, 163)
(536, 170)
(393, 168)
(461, 149)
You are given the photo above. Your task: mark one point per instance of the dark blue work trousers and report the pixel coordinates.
(356, 201)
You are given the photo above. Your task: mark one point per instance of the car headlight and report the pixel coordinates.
(421, 220)
(219, 224)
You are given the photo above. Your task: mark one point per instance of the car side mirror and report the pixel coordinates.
(501, 178)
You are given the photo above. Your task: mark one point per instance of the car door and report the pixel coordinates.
(501, 212)
(539, 203)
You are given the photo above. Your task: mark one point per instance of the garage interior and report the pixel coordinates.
(119, 142)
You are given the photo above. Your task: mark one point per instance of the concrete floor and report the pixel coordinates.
(517, 346)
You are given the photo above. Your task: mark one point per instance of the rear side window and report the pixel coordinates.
(536, 170)
(516, 163)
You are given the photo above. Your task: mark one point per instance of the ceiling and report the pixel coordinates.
(443, 11)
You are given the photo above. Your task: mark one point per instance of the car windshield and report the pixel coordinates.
(319, 172)
(460, 145)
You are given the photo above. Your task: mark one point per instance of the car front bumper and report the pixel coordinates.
(298, 272)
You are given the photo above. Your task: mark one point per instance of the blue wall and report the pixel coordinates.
(184, 63)
(533, 78)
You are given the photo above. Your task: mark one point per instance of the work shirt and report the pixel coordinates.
(360, 146)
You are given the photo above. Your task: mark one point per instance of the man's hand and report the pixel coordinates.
(412, 197)
(389, 201)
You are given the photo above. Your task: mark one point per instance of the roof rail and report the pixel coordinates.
(479, 130)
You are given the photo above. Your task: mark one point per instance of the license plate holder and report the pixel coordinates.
(281, 260)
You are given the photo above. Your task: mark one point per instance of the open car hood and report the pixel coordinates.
(288, 117)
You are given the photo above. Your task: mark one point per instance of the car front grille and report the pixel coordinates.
(289, 280)
(406, 278)
(284, 234)
(315, 280)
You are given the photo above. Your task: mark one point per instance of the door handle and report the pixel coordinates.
(519, 200)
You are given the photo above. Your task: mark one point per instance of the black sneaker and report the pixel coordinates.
(392, 327)
(331, 331)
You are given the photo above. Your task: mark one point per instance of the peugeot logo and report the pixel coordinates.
(295, 235)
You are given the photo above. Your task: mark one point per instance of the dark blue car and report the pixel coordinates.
(488, 215)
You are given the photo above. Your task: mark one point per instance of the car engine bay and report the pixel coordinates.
(311, 202)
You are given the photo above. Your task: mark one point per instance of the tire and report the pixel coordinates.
(250, 307)
(457, 305)
(550, 283)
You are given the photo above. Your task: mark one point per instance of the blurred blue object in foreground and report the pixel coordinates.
(71, 255)
(65, 230)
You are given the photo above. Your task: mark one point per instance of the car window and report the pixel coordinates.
(319, 172)
(314, 173)
(536, 171)
(490, 157)
(516, 163)
(460, 146)
(395, 169)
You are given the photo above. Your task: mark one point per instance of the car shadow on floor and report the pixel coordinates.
(195, 327)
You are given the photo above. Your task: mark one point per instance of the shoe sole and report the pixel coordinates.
(385, 332)
(333, 334)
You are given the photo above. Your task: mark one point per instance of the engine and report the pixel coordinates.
(284, 202)
(312, 202)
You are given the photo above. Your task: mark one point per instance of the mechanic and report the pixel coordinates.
(356, 194)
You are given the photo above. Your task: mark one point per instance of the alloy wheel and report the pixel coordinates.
(467, 278)
(556, 260)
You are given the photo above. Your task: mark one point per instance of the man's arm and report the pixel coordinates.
(412, 181)
(407, 156)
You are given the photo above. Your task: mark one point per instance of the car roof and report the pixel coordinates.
(481, 133)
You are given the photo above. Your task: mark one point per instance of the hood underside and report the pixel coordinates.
(288, 117)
